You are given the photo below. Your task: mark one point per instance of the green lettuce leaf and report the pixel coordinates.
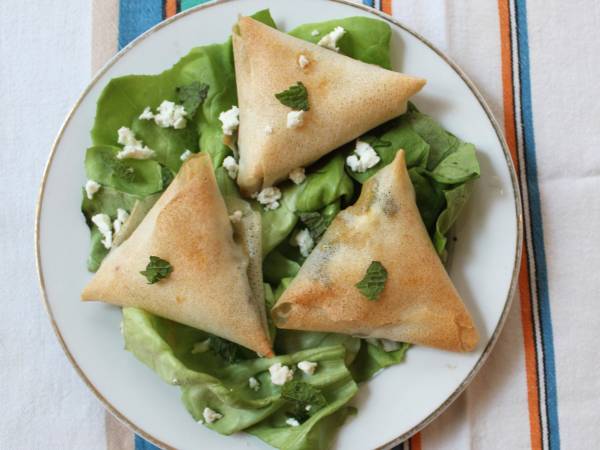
(133, 176)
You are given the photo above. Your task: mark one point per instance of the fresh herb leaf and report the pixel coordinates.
(373, 282)
(192, 96)
(302, 395)
(223, 348)
(119, 168)
(296, 97)
(316, 224)
(157, 269)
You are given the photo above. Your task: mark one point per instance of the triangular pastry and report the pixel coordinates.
(209, 286)
(346, 98)
(418, 303)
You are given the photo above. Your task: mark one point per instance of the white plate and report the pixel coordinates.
(400, 400)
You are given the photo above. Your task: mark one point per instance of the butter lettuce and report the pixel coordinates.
(441, 168)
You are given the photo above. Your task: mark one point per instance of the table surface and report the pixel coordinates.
(45, 63)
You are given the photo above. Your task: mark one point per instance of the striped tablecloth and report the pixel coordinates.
(540, 388)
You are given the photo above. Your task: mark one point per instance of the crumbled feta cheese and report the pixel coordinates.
(253, 384)
(102, 221)
(170, 115)
(308, 407)
(201, 347)
(364, 157)
(211, 416)
(175, 381)
(308, 367)
(269, 197)
(331, 39)
(315, 33)
(236, 216)
(303, 61)
(231, 166)
(147, 114)
(185, 155)
(292, 422)
(272, 206)
(122, 216)
(298, 175)
(230, 120)
(295, 119)
(268, 129)
(389, 346)
(280, 374)
(91, 187)
(304, 241)
(132, 148)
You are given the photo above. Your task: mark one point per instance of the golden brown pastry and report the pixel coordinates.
(346, 98)
(418, 304)
(209, 286)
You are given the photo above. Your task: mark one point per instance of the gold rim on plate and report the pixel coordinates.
(515, 185)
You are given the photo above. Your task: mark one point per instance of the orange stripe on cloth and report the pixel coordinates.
(415, 442)
(524, 280)
(170, 8)
(386, 7)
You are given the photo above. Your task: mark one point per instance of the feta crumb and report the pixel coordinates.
(295, 119)
(102, 221)
(389, 346)
(211, 416)
(280, 374)
(231, 166)
(253, 384)
(303, 61)
(269, 197)
(308, 407)
(236, 216)
(268, 129)
(170, 115)
(331, 39)
(122, 216)
(132, 148)
(175, 381)
(91, 187)
(297, 175)
(230, 120)
(292, 422)
(315, 33)
(304, 241)
(363, 158)
(185, 155)
(147, 114)
(308, 367)
(201, 347)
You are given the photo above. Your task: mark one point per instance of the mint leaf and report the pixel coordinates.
(316, 224)
(296, 97)
(191, 96)
(373, 282)
(302, 395)
(223, 348)
(157, 269)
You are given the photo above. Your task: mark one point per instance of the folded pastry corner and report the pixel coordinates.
(345, 98)
(418, 302)
(209, 286)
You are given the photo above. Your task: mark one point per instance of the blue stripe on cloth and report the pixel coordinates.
(137, 16)
(370, 3)
(535, 211)
(142, 444)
